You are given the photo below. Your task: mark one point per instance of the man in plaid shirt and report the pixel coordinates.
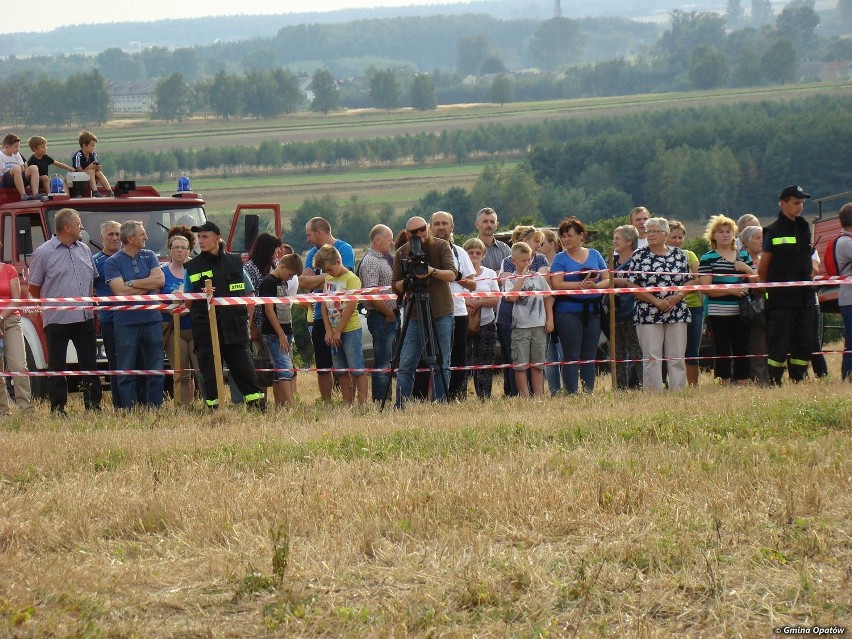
(382, 316)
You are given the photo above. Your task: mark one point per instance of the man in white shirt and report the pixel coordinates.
(442, 227)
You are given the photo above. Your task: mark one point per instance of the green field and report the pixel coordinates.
(400, 187)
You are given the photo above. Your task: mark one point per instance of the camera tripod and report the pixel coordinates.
(417, 298)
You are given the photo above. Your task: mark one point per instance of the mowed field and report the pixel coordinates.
(398, 186)
(712, 512)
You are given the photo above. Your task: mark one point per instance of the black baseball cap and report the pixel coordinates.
(209, 226)
(793, 191)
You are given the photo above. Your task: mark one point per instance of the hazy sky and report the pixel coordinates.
(46, 15)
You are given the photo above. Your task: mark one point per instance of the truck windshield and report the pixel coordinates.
(157, 222)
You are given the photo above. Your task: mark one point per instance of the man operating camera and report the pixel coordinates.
(425, 262)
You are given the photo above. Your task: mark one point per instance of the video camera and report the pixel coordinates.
(415, 264)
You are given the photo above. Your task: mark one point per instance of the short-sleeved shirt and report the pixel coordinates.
(724, 272)
(564, 263)
(529, 312)
(693, 298)
(81, 160)
(336, 286)
(439, 255)
(8, 161)
(174, 284)
(465, 267)
(7, 274)
(375, 270)
(843, 251)
(347, 257)
(122, 266)
(102, 288)
(63, 271)
(504, 309)
(495, 254)
(671, 269)
(42, 163)
(487, 282)
(272, 286)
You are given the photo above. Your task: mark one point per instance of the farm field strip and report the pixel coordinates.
(198, 133)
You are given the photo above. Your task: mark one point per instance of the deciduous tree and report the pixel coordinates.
(385, 89)
(172, 98)
(557, 42)
(326, 91)
(422, 93)
(502, 89)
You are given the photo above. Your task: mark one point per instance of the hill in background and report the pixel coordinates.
(209, 30)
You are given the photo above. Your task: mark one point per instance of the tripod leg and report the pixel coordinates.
(434, 352)
(395, 361)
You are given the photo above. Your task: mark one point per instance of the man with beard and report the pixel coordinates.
(441, 270)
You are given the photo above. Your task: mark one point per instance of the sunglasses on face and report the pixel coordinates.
(422, 229)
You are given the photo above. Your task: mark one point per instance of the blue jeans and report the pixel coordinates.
(280, 360)
(149, 338)
(552, 373)
(350, 353)
(693, 335)
(410, 355)
(579, 342)
(108, 337)
(846, 365)
(384, 335)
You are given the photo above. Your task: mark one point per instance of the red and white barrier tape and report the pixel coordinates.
(144, 302)
(143, 372)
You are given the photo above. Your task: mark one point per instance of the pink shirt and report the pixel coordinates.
(7, 273)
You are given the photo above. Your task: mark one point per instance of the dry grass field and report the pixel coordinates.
(714, 512)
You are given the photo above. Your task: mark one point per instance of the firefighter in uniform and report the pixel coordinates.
(226, 271)
(787, 258)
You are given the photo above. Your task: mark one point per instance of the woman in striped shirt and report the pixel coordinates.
(724, 264)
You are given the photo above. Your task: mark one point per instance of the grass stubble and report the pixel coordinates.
(710, 512)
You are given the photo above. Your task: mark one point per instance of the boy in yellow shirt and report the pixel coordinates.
(342, 324)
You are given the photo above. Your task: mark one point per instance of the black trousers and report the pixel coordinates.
(458, 357)
(82, 335)
(237, 358)
(789, 335)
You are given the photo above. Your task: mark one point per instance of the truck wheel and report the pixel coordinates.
(38, 385)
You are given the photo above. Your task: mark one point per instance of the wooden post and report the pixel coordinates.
(177, 382)
(612, 357)
(214, 335)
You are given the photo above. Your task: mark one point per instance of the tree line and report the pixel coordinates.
(680, 163)
(697, 51)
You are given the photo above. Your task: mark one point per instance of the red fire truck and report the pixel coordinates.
(25, 225)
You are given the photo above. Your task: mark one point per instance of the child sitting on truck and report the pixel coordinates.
(14, 172)
(41, 160)
(86, 160)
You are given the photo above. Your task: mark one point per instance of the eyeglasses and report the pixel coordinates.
(180, 248)
(135, 267)
(422, 229)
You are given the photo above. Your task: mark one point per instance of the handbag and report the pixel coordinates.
(474, 315)
(753, 308)
(262, 359)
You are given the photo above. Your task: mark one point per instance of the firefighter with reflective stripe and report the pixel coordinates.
(787, 258)
(226, 271)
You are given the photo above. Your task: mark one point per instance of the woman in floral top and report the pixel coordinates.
(661, 318)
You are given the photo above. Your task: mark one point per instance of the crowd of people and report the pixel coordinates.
(549, 341)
